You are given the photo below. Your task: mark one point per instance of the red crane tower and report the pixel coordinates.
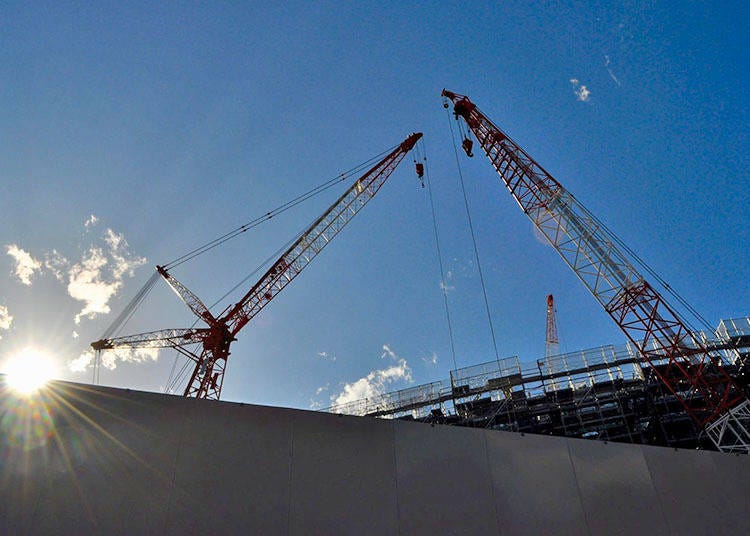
(216, 338)
(679, 359)
(551, 343)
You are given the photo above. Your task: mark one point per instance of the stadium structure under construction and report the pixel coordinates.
(608, 393)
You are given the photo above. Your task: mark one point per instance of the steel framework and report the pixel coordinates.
(551, 342)
(701, 384)
(215, 339)
(609, 393)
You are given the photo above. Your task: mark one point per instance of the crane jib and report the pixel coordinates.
(682, 363)
(215, 340)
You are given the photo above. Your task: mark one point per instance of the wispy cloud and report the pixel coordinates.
(91, 221)
(99, 274)
(110, 358)
(5, 318)
(319, 390)
(375, 382)
(315, 405)
(430, 360)
(56, 264)
(609, 70)
(445, 287)
(26, 265)
(582, 93)
(387, 352)
(325, 356)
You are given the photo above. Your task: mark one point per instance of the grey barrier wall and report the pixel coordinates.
(93, 460)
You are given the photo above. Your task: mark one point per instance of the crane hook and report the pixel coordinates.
(467, 144)
(420, 172)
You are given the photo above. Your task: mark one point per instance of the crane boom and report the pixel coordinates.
(164, 338)
(186, 295)
(315, 238)
(679, 359)
(208, 374)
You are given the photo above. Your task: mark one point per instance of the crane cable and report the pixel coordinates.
(172, 380)
(653, 273)
(473, 239)
(275, 212)
(118, 323)
(122, 319)
(443, 283)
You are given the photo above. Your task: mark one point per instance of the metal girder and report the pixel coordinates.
(165, 338)
(186, 295)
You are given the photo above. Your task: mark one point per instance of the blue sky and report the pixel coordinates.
(174, 124)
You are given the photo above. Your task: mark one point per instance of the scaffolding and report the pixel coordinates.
(608, 392)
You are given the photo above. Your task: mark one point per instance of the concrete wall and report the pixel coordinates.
(86, 460)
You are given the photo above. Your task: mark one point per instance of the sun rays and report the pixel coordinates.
(28, 370)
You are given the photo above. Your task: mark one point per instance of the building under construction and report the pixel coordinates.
(607, 393)
(669, 385)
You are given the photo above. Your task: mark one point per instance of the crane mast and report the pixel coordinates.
(215, 339)
(551, 342)
(677, 356)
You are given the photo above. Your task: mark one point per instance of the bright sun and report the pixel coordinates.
(29, 370)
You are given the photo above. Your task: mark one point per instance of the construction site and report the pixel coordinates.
(607, 393)
(670, 384)
(207, 466)
(375, 268)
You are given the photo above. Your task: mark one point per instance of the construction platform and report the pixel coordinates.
(78, 459)
(606, 393)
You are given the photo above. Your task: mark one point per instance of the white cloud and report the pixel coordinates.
(82, 362)
(321, 389)
(91, 221)
(26, 265)
(582, 93)
(111, 357)
(373, 384)
(124, 264)
(75, 334)
(5, 318)
(99, 274)
(86, 283)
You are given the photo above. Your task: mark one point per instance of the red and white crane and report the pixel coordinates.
(679, 358)
(220, 331)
